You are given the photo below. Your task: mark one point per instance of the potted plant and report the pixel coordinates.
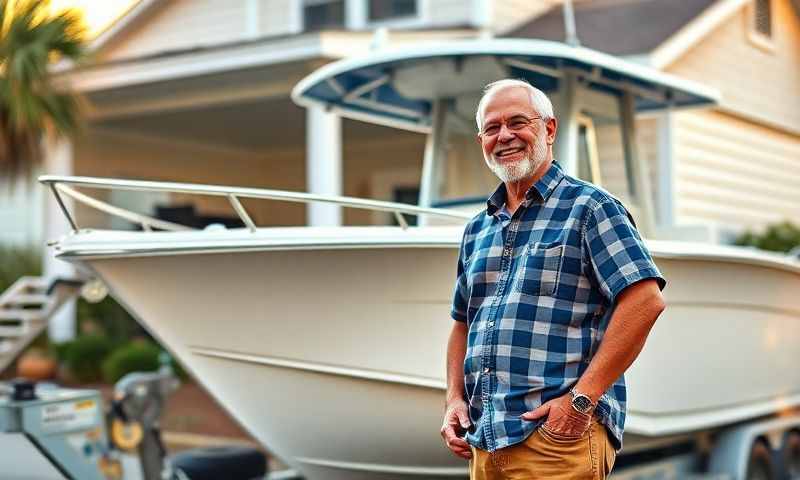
(37, 363)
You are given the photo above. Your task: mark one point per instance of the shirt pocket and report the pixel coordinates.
(539, 271)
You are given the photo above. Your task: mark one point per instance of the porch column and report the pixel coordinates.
(58, 161)
(355, 15)
(323, 164)
(566, 147)
(666, 171)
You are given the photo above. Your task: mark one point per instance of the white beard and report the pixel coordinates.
(514, 172)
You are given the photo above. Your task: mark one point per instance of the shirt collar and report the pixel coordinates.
(541, 190)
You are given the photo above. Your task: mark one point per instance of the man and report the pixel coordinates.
(555, 296)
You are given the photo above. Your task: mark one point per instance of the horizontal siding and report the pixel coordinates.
(21, 211)
(183, 24)
(448, 12)
(760, 84)
(509, 14)
(187, 24)
(734, 174)
(275, 17)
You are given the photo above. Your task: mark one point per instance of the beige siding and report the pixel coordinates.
(449, 12)
(275, 17)
(763, 85)
(509, 14)
(734, 174)
(21, 210)
(185, 24)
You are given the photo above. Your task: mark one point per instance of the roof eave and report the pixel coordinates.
(123, 22)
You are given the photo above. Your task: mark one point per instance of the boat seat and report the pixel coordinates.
(228, 462)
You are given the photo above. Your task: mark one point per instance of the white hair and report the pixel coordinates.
(539, 100)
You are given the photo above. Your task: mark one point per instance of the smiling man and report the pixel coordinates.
(555, 296)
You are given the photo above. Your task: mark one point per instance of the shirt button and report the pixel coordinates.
(487, 370)
(491, 324)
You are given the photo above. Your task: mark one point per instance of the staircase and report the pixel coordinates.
(26, 308)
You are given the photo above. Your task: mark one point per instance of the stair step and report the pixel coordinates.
(25, 309)
(28, 299)
(37, 283)
(14, 331)
(23, 314)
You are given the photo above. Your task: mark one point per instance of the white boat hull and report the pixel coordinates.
(332, 354)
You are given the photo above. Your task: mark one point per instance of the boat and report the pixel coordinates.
(328, 343)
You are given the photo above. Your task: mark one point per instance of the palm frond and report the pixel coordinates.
(61, 110)
(31, 38)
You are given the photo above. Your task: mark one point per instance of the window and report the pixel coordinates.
(759, 24)
(762, 18)
(390, 9)
(410, 196)
(322, 14)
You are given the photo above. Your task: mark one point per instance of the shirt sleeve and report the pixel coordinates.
(615, 252)
(459, 310)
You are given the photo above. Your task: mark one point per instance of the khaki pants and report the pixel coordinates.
(546, 455)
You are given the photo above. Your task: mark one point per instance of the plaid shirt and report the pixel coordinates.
(537, 290)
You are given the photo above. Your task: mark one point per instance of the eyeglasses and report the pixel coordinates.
(515, 124)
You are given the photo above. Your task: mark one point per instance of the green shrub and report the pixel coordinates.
(84, 356)
(109, 318)
(779, 237)
(132, 357)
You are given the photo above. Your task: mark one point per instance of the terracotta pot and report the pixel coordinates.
(36, 366)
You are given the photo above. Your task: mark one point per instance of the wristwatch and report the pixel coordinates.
(581, 402)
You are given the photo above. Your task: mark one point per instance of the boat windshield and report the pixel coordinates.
(601, 155)
(465, 177)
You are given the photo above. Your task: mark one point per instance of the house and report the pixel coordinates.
(721, 170)
(198, 91)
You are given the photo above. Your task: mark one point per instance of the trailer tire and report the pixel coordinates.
(229, 462)
(759, 465)
(790, 454)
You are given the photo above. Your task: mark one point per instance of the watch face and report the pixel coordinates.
(582, 403)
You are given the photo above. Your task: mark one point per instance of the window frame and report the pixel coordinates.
(302, 4)
(398, 22)
(759, 40)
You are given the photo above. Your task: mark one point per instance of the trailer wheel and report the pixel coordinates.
(230, 462)
(791, 454)
(759, 466)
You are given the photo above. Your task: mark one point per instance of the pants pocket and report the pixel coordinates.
(559, 437)
(547, 456)
(610, 455)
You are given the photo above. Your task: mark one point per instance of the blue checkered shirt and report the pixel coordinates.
(537, 291)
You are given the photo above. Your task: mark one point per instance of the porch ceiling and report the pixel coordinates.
(256, 125)
(269, 124)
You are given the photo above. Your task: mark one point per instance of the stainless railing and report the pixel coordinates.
(64, 185)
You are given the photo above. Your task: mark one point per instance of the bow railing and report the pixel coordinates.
(67, 186)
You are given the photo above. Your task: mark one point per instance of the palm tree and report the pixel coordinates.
(32, 37)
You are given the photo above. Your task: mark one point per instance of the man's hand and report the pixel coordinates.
(456, 419)
(561, 417)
